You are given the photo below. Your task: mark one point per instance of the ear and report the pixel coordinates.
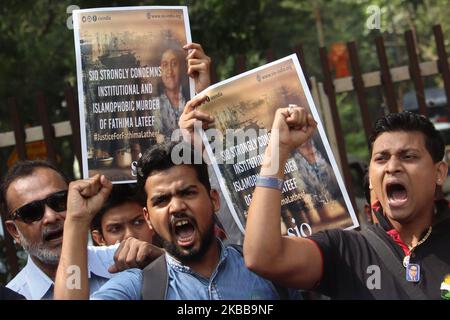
(147, 218)
(215, 199)
(12, 230)
(98, 238)
(441, 172)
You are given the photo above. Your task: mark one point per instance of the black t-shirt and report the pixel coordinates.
(353, 270)
(8, 294)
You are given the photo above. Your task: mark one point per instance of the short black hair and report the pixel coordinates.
(159, 158)
(408, 121)
(22, 169)
(120, 194)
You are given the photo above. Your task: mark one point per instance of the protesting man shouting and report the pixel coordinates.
(405, 169)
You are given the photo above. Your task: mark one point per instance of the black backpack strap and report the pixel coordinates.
(155, 280)
(282, 291)
(394, 265)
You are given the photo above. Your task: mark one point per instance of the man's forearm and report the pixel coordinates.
(263, 232)
(72, 276)
(289, 261)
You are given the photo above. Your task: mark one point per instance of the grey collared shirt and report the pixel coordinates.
(231, 280)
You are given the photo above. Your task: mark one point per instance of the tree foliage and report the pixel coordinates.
(38, 49)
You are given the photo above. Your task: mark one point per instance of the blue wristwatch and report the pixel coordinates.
(269, 182)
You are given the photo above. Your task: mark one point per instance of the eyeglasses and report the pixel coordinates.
(34, 211)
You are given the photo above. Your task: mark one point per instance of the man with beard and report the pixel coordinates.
(180, 209)
(413, 230)
(33, 203)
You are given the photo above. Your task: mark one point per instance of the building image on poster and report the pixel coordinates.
(314, 197)
(132, 83)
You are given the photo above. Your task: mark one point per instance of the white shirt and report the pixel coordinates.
(34, 284)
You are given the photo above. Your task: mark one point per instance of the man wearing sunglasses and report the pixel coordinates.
(33, 203)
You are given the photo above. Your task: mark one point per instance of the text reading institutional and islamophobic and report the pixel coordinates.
(116, 99)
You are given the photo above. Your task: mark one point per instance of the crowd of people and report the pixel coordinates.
(159, 239)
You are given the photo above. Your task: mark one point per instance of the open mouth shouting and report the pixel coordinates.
(184, 231)
(397, 194)
(53, 235)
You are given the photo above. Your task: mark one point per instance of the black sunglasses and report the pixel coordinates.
(34, 211)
